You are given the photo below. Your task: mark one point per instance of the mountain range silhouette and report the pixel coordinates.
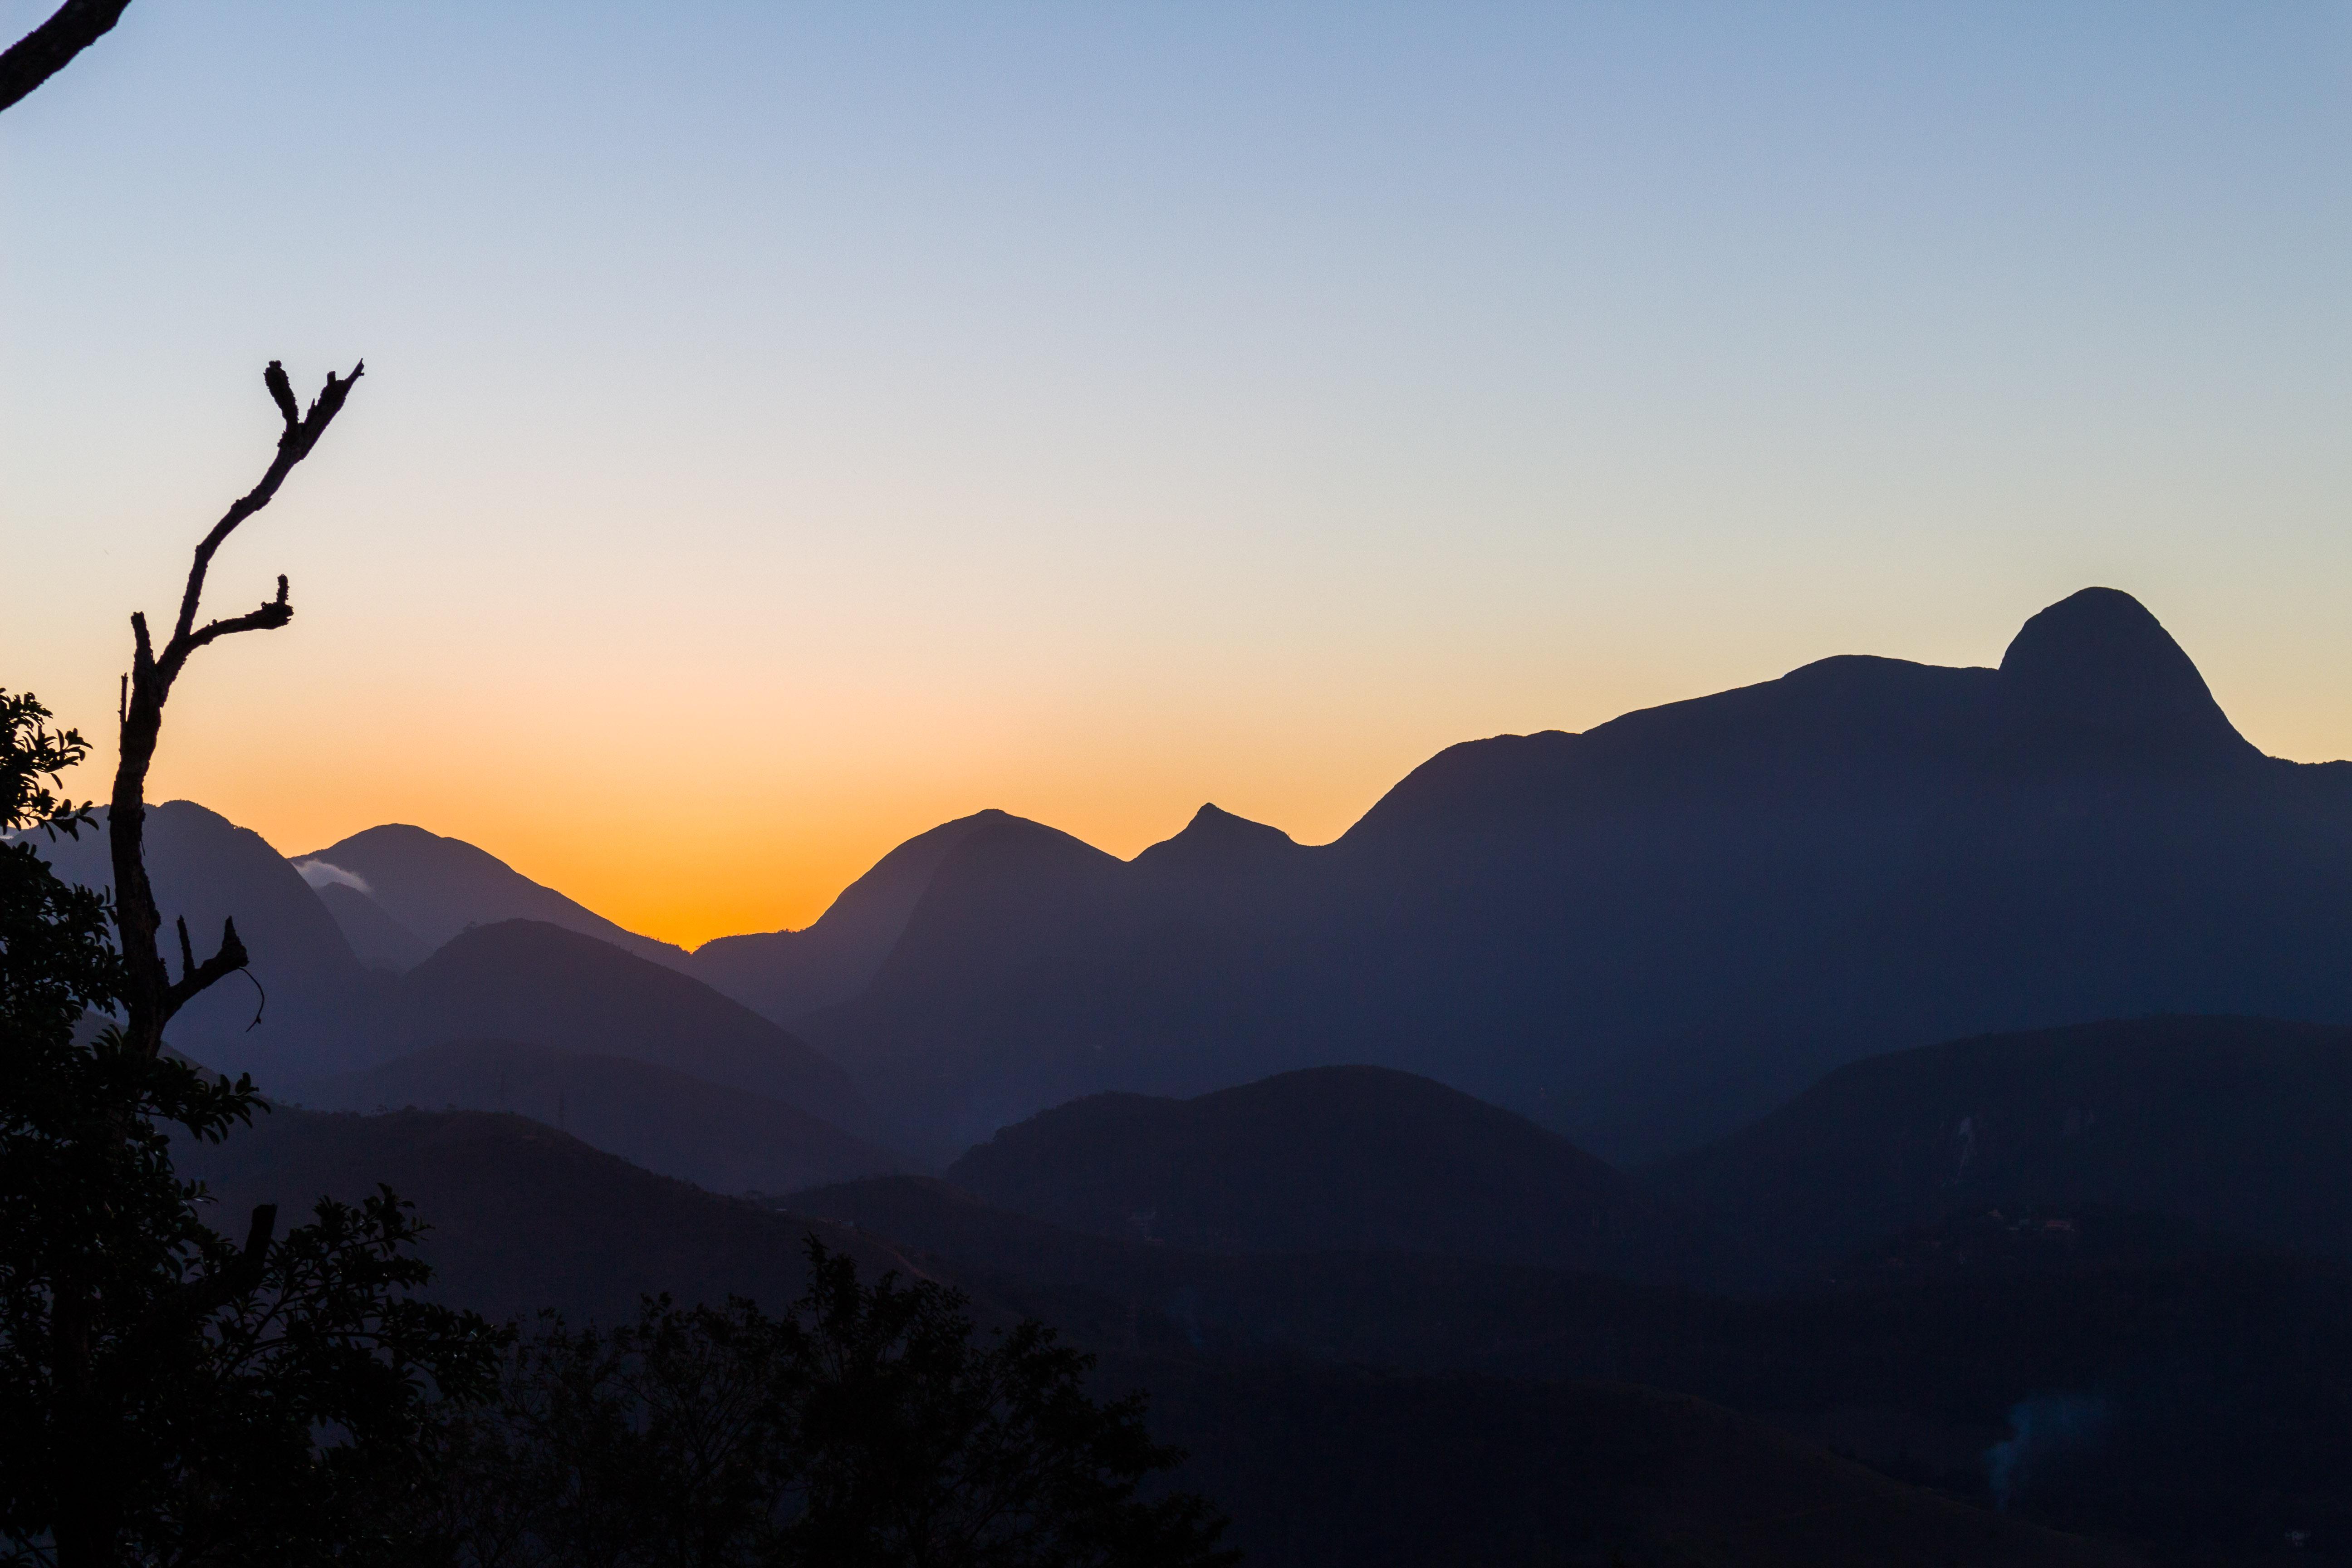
(1873, 1058)
(1639, 936)
(1646, 933)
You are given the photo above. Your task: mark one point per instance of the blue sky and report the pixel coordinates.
(840, 419)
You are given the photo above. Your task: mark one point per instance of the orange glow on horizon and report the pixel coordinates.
(740, 828)
(893, 415)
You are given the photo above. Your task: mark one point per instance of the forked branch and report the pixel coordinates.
(150, 996)
(197, 977)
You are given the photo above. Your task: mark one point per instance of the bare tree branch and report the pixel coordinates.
(273, 613)
(49, 47)
(151, 997)
(197, 977)
(294, 444)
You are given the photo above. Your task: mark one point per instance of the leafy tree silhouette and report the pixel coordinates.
(166, 1396)
(870, 1427)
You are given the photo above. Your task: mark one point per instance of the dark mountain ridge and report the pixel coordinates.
(1325, 1159)
(722, 1138)
(2215, 1417)
(2231, 1127)
(544, 985)
(523, 1216)
(1320, 1465)
(434, 888)
(377, 940)
(1217, 843)
(786, 975)
(313, 1011)
(1645, 934)
(1638, 937)
(295, 1010)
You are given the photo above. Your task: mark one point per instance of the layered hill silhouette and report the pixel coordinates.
(2231, 1128)
(723, 1138)
(306, 987)
(1638, 937)
(1315, 1467)
(377, 940)
(787, 975)
(523, 1216)
(1067, 971)
(406, 891)
(541, 985)
(1326, 1159)
(2198, 1384)
(2170, 1399)
(315, 1009)
(663, 1069)
(1320, 1465)
(1645, 934)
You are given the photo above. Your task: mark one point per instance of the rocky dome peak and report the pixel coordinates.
(2095, 674)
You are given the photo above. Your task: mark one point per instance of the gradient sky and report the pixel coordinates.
(788, 427)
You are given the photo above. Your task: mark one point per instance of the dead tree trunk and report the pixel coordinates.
(87, 1529)
(152, 995)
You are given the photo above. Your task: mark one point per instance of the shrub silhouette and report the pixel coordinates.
(870, 1426)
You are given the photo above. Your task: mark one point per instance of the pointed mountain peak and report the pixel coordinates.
(2095, 675)
(1216, 840)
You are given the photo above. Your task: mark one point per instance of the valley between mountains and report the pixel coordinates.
(1891, 1113)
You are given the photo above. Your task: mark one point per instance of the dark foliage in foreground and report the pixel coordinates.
(166, 1396)
(870, 1426)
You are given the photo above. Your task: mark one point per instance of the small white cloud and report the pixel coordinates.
(320, 873)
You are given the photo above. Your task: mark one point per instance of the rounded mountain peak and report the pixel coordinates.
(2096, 673)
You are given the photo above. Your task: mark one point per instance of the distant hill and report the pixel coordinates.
(1372, 1469)
(2185, 1400)
(726, 1140)
(434, 888)
(377, 940)
(1070, 971)
(1426, 1312)
(295, 1012)
(2235, 1127)
(2016, 1239)
(523, 1216)
(313, 1008)
(1320, 1466)
(540, 984)
(1326, 1159)
(784, 975)
(1643, 935)
(1640, 937)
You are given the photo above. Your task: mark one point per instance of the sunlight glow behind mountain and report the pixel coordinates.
(787, 428)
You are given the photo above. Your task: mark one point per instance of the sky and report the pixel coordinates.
(788, 427)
